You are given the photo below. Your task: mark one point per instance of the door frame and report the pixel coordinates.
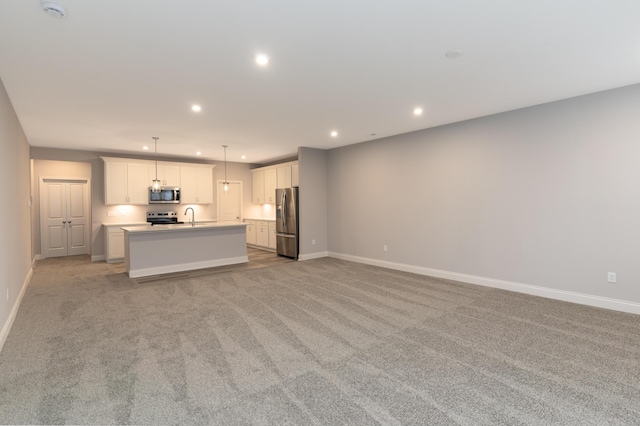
(42, 220)
(219, 182)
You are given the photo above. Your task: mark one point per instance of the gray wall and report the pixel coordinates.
(313, 202)
(68, 163)
(547, 196)
(15, 236)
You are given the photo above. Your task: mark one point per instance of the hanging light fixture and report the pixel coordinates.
(225, 183)
(155, 187)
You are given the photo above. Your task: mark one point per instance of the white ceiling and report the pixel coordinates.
(114, 73)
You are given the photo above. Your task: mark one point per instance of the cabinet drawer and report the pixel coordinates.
(262, 223)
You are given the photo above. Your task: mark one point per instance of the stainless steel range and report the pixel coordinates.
(163, 218)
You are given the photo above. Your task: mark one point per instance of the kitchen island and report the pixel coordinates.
(154, 250)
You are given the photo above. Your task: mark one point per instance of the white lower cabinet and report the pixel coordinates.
(251, 232)
(272, 235)
(114, 242)
(261, 233)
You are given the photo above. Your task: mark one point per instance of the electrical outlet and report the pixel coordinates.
(313, 242)
(611, 277)
(7, 295)
(111, 213)
(385, 248)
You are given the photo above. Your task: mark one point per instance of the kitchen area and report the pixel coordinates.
(125, 213)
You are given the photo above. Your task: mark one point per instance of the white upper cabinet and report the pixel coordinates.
(284, 177)
(168, 175)
(270, 178)
(267, 179)
(138, 183)
(258, 187)
(295, 175)
(126, 183)
(115, 183)
(196, 185)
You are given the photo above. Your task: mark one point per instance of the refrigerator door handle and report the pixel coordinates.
(284, 210)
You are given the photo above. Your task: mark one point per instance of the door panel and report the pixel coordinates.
(55, 201)
(77, 201)
(77, 240)
(57, 239)
(230, 203)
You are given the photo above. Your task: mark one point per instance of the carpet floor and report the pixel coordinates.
(319, 342)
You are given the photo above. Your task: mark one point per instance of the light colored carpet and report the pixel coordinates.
(320, 342)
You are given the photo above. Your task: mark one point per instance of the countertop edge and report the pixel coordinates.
(185, 227)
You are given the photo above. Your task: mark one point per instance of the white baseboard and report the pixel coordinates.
(316, 255)
(14, 310)
(168, 269)
(551, 293)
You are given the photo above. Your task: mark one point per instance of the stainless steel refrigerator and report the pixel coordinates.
(287, 222)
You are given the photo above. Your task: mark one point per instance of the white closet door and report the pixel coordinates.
(77, 218)
(64, 212)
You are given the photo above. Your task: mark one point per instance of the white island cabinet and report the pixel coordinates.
(154, 250)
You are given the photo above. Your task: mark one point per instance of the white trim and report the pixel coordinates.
(144, 272)
(14, 310)
(316, 255)
(100, 257)
(551, 293)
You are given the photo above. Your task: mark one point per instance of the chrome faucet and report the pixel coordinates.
(193, 218)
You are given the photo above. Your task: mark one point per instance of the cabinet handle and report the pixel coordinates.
(69, 222)
(64, 221)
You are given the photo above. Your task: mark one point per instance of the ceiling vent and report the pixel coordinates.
(53, 9)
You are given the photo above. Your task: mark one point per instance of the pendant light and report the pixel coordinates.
(155, 187)
(225, 183)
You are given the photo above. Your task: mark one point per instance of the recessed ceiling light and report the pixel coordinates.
(196, 108)
(244, 157)
(262, 59)
(334, 134)
(453, 54)
(53, 9)
(198, 153)
(417, 111)
(145, 147)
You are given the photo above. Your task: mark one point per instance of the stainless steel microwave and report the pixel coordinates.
(166, 195)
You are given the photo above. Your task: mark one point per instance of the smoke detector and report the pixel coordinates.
(53, 9)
